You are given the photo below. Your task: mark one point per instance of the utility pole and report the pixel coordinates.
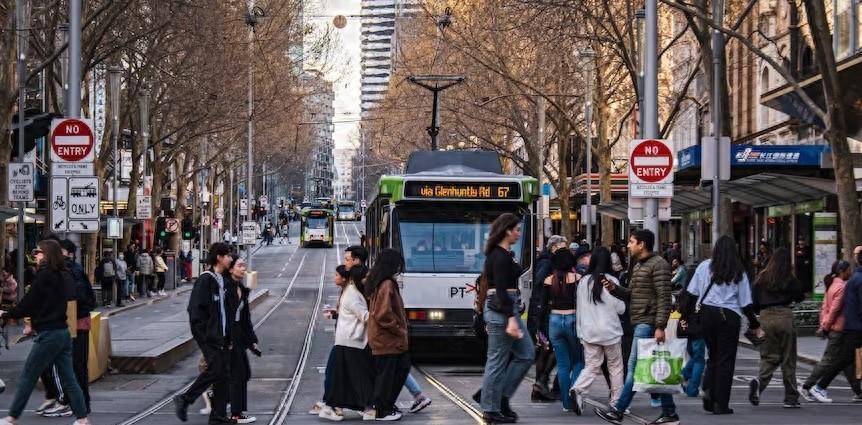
(717, 53)
(589, 56)
(144, 109)
(252, 15)
(22, 11)
(541, 109)
(650, 124)
(425, 81)
(114, 82)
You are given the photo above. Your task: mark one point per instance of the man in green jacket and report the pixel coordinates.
(649, 298)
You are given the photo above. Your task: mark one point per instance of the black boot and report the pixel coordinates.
(506, 409)
(477, 396)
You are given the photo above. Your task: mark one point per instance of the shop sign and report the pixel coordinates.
(759, 155)
(825, 248)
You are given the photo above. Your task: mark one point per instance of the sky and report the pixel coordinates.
(345, 74)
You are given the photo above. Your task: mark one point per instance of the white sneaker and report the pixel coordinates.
(2, 386)
(805, 394)
(420, 404)
(7, 421)
(369, 415)
(82, 421)
(163, 293)
(243, 419)
(315, 410)
(394, 416)
(205, 411)
(820, 394)
(327, 413)
(47, 404)
(60, 411)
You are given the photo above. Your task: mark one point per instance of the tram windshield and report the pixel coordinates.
(446, 240)
(316, 223)
(346, 208)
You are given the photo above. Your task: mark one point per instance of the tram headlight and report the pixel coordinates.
(436, 315)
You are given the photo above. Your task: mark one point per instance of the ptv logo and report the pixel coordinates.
(461, 290)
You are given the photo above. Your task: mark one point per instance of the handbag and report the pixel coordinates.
(690, 326)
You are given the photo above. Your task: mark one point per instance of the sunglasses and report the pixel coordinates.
(37, 252)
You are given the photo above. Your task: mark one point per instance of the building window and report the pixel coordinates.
(843, 28)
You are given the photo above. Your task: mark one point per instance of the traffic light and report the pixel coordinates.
(188, 228)
(161, 232)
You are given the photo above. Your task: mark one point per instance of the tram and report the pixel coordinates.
(346, 211)
(316, 227)
(438, 215)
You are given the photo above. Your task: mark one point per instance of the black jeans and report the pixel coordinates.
(240, 373)
(392, 370)
(80, 356)
(721, 333)
(216, 376)
(161, 281)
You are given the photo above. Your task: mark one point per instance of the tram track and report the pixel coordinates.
(154, 408)
(453, 396)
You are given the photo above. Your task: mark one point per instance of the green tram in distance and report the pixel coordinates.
(316, 226)
(438, 215)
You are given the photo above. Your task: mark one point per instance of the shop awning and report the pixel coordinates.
(760, 190)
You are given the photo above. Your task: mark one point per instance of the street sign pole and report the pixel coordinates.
(650, 124)
(717, 51)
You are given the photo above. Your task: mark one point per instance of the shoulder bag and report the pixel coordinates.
(690, 326)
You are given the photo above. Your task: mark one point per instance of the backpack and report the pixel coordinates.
(108, 269)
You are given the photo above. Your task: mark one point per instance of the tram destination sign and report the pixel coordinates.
(462, 190)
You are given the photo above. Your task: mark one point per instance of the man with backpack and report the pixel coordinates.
(106, 275)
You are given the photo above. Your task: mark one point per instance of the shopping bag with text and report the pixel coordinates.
(659, 366)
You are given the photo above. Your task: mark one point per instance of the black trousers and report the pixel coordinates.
(160, 285)
(216, 376)
(80, 356)
(53, 389)
(721, 334)
(846, 357)
(392, 370)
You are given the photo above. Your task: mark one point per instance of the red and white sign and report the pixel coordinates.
(650, 168)
(72, 140)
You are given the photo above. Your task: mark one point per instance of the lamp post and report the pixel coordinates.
(144, 109)
(640, 20)
(22, 12)
(650, 95)
(717, 53)
(588, 55)
(252, 17)
(114, 83)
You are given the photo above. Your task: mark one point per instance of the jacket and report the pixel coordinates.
(764, 298)
(503, 273)
(350, 329)
(387, 322)
(45, 302)
(537, 310)
(161, 267)
(853, 302)
(242, 333)
(131, 259)
(145, 264)
(9, 290)
(205, 317)
(83, 289)
(100, 270)
(832, 309)
(648, 292)
(599, 323)
(122, 268)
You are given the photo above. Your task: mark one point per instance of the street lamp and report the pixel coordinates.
(588, 55)
(252, 17)
(640, 21)
(114, 82)
(22, 12)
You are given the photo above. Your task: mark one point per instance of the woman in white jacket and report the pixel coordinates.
(352, 373)
(599, 328)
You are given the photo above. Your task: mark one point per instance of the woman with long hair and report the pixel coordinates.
(45, 304)
(775, 290)
(352, 374)
(387, 333)
(599, 328)
(832, 327)
(560, 288)
(724, 294)
(510, 355)
(242, 337)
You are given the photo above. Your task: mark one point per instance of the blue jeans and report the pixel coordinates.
(569, 352)
(693, 370)
(53, 346)
(508, 360)
(641, 330)
(412, 386)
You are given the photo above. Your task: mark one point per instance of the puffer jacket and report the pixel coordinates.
(648, 292)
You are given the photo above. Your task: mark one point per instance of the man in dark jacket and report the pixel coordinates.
(86, 303)
(649, 296)
(210, 327)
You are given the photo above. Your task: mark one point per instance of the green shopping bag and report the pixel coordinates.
(659, 366)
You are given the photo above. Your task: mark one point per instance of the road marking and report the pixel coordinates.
(454, 397)
(279, 275)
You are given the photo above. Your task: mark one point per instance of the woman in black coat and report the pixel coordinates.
(242, 338)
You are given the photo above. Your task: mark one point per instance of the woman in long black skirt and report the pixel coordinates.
(352, 372)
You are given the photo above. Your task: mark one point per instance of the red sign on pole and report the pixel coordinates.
(72, 140)
(651, 161)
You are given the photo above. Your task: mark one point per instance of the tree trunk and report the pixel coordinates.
(603, 159)
(836, 128)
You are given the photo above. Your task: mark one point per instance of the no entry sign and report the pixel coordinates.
(72, 140)
(650, 168)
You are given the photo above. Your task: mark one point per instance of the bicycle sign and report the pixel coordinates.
(59, 204)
